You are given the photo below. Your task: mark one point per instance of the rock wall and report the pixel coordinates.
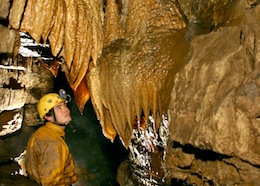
(214, 111)
(22, 82)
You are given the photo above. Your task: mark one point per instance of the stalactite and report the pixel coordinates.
(96, 24)
(100, 108)
(80, 98)
(78, 60)
(74, 30)
(16, 12)
(71, 27)
(113, 28)
(56, 37)
(51, 8)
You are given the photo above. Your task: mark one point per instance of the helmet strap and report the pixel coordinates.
(55, 120)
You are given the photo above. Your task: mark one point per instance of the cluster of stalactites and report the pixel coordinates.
(134, 75)
(73, 28)
(78, 30)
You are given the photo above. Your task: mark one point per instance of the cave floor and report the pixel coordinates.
(8, 176)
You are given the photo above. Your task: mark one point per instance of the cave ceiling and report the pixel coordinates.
(123, 54)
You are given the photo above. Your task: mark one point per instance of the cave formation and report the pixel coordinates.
(196, 61)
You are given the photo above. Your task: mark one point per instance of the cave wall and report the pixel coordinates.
(214, 110)
(215, 107)
(22, 82)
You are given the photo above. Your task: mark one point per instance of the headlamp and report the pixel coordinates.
(63, 94)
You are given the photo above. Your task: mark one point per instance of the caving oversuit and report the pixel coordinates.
(48, 159)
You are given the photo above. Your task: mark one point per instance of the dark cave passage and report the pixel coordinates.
(96, 157)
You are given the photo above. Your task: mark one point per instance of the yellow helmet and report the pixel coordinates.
(47, 102)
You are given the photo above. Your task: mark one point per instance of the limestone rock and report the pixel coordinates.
(8, 38)
(4, 8)
(215, 102)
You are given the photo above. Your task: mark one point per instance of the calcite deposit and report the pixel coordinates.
(195, 61)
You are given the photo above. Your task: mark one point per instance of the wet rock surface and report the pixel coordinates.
(215, 107)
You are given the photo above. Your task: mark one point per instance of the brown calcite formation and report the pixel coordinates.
(113, 29)
(72, 28)
(215, 106)
(76, 32)
(134, 75)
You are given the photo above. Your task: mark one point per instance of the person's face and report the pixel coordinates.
(62, 113)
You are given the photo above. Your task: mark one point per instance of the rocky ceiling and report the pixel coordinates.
(197, 61)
